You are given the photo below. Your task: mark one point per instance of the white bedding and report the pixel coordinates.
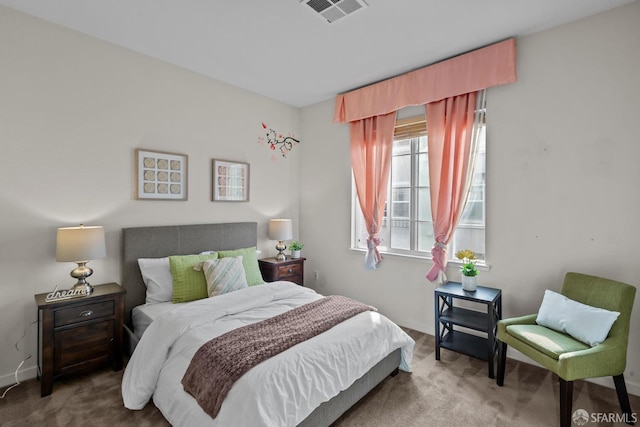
(281, 391)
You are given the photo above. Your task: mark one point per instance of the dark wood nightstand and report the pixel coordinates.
(291, 269)
(79, 334)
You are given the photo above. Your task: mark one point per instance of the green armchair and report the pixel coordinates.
(567, 357)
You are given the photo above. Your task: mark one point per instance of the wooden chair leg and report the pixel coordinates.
(502, 361)
(623, 398)
(566, 402)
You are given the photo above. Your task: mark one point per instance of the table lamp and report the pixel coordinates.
(80, 245)
(280, 230)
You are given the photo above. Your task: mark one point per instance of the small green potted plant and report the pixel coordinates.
(295, 247)
(468, 269)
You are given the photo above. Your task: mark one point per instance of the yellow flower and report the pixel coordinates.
(467, 253)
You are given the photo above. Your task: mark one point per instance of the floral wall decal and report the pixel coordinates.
(277, 141)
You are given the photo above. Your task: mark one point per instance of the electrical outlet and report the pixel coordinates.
(316, 276)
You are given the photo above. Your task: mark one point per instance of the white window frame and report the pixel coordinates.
(359, 230)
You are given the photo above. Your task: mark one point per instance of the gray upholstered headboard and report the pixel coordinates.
(162, 241)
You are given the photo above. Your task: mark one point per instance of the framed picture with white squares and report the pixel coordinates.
(161, 175)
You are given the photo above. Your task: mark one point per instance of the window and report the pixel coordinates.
(407, 227)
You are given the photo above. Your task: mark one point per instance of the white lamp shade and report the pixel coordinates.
(280, 229)
(80, 243)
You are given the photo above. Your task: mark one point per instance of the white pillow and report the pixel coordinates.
(588, 324)
(224, 275)
(156, 275)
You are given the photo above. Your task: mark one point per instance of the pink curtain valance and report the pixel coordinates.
(482, 68)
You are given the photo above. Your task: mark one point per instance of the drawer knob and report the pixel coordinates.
(86, 313)
(290, 270)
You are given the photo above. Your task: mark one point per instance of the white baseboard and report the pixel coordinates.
(416, 327)
(23, 375)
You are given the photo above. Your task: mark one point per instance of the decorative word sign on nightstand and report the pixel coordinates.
(291, 269)
(79, 334)
(448, 317)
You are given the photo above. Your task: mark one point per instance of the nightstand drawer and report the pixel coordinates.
(83, 313)
(289, 270)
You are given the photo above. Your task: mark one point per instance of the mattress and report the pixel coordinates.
(143, 315)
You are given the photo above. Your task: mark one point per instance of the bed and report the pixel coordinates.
(263, 395)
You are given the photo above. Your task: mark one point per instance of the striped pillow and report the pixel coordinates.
(249, 261)
(224, 275)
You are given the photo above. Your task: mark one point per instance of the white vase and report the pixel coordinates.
(295, 254)
(469, 283)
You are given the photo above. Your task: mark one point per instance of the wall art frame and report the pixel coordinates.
(161, 175)
(230, 181)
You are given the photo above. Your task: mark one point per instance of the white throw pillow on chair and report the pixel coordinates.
(588, 324)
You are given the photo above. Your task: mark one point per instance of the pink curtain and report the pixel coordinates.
(371, 146)
(450, 127)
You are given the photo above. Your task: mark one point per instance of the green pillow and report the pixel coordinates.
(249, 262)
(188, 284)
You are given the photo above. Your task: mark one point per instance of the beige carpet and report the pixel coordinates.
(454, 391)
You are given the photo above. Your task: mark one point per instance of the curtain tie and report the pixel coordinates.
(373, 257)
(440, 245)
(373, 241)
(438, 255)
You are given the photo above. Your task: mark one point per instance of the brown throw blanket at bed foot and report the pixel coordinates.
(220, 362)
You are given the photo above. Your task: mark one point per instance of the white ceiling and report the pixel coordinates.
(285, 51)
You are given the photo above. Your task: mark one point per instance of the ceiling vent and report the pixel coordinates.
(334, 10)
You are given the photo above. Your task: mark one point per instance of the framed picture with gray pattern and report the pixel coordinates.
(161, 175)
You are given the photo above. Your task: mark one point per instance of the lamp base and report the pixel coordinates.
(85, 287)
(81, 272)
(281, 247)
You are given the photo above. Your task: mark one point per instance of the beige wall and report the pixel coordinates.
(72, 111)
(562, 173)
